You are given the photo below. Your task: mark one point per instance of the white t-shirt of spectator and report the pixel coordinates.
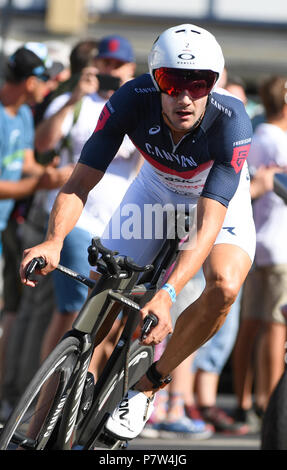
(106, 196)
(269, 147)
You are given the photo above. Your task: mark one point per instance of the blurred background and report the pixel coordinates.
(252, 33)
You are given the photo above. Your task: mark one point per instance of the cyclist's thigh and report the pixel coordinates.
(238, 226)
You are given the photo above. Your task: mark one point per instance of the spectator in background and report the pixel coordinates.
(82, 55)
(265, 287)
(236, 86)
(35, 309)
(26, 75)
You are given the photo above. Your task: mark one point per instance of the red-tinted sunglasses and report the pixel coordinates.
(198, 83)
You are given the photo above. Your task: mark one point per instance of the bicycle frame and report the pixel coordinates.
(107, 291)
(92, 316)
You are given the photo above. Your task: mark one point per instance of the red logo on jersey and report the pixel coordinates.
(239, 156)
(104, 116)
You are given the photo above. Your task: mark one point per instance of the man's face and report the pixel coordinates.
(122, 70)
(181, 112)
(37, 90)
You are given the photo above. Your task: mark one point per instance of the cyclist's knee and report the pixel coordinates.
(221, 293)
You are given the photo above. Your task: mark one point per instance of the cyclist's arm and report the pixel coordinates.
(65, 213)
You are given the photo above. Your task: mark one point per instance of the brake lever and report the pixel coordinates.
(39, 263)
(150, 321)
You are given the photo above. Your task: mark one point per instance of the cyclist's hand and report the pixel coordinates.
(160, 306)
(48, 250)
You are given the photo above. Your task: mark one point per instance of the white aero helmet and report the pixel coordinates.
(186, 47)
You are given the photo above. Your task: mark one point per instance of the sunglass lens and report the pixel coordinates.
(197, 82)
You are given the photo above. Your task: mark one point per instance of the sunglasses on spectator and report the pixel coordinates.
(198, 83)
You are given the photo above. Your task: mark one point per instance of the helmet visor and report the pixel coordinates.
(198, 83)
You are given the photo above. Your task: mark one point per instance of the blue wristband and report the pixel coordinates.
(171, 290)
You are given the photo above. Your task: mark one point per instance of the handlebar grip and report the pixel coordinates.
(150, 321)
(36, 263)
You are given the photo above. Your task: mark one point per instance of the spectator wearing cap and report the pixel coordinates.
(116, 58)
(27, 73)
(25, 83)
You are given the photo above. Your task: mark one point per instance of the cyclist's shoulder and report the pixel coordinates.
(143, 85)
(226, 116)
(136, 90)
(136, 99)
(227, 106)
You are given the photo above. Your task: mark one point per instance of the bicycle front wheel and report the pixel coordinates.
(32, 423)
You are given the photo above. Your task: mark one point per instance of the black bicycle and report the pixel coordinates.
(274, 425)
(62, 408)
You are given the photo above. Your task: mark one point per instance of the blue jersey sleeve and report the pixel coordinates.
(229, 143)
(116, 119)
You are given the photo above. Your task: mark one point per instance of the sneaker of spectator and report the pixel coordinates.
(169, 420)
(222, 421)
(184, 428)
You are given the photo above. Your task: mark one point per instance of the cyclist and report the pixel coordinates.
(195, 141)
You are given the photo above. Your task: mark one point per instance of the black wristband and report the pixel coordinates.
(156, 378)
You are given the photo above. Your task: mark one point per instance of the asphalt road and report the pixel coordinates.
(217, 441)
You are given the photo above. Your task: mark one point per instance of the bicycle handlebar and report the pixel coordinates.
(150, 321)
(123, 266)
(36, 263)
(108, 256)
